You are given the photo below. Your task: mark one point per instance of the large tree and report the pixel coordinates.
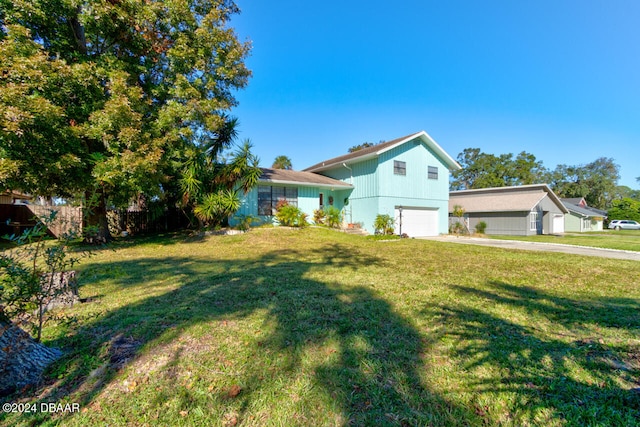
(107, 97)
(483, 170)
(596, 181)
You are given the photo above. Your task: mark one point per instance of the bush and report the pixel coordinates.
(35, 274)
(290, 216)
(215, 208)
(383, 224)
(245, 222)
(626, 208)
(319, 216)
(333, 218)
(457, 228)
(481, 227)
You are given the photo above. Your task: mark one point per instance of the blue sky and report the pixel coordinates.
(558, 79)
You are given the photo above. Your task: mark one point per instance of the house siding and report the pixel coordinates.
(415, 189)
(377, 190)
(502, 223)
(308, 201)
(364, 199)
(574, 222)
(415, 184)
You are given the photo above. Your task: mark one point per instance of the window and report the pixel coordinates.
(533, 221)
(399, 168)
(268, 198)
(264, 200)
(586, 224)
(432, 172)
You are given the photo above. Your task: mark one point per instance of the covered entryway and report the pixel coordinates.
(416, 222)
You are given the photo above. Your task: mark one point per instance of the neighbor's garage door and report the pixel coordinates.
(558, 224)
(417, 222)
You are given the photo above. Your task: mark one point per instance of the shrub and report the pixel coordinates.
(481, 227)
(303, 220)
(457, 228)
(383, 224)
(245, 222)
(35, 274)
(333, 218)
(215, 208)
(319, 216)
(290, 216)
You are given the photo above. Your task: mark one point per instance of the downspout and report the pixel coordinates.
(350, 182)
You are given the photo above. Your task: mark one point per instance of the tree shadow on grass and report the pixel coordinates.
(365, 359)
(562, 370)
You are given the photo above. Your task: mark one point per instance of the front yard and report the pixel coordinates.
(314, 327)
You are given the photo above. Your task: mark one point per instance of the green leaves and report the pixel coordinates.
(215, 207)
(383, 224)
(482, 170)
(113, 95)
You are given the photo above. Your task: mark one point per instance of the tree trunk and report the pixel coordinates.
(96, 225)
(22, 359)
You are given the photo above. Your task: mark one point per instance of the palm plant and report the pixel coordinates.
(282, 162)
(209, 183)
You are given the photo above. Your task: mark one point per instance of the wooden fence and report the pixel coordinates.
(68, 218)
(14, 219)
(145, 221)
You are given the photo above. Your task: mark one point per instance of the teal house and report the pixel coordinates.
(308, 191)
(406, 178)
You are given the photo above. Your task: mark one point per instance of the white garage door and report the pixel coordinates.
(417, 222)
(558, 224)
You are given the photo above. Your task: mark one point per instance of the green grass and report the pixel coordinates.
(285, 327)
(628, 240)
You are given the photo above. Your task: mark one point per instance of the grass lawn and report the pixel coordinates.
(628, 240)
(285, 327)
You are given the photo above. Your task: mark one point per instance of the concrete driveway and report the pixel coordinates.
(535, 246)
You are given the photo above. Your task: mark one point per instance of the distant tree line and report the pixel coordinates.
(597, 181)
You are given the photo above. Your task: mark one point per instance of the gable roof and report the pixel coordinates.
(579, 210)
(583, 210)
(503, 199)
(578, 201)
(300, 178)
(376, 150)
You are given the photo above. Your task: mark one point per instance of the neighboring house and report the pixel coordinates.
(519, 211)
(407, 178)
(582, 217)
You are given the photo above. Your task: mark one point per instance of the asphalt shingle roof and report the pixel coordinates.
(502, 199)
(360, 153)
(300, 177)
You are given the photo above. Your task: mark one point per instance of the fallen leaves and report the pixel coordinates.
(234, 391)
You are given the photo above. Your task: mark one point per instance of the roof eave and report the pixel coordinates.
(344, 186)
(351, 161)
(556, 199)
(426, 138)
